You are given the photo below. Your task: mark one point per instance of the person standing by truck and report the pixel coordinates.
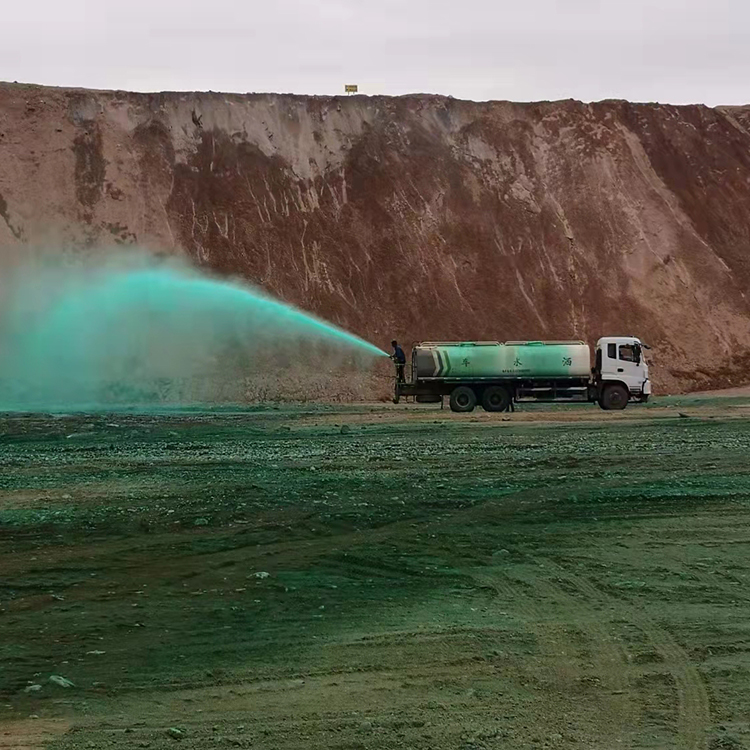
(399, 359)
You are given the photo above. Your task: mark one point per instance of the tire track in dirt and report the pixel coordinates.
(550, 622)
(611, 657)
(694, 712)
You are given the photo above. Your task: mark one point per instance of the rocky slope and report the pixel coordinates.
(420, 216)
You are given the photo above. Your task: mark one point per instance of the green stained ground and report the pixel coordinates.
(557, 578)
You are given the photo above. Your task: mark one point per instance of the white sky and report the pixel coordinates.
(676, 51)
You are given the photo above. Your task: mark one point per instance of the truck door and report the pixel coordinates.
(628, 366)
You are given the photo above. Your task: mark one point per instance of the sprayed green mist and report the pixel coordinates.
(91, 336)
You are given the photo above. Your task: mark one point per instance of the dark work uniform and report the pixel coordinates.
(400, 359)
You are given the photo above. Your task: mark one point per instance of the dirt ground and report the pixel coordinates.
(377, 577)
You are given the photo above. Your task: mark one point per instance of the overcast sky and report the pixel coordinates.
(644, 50)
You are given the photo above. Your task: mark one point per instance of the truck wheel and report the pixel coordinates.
(463, 398)
(614, 397)
(496, 398)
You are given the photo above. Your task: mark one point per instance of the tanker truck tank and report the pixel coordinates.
(491, 359)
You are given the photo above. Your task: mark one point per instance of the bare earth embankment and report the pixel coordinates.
(422, 217)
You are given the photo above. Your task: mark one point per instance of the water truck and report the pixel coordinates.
(497, 375)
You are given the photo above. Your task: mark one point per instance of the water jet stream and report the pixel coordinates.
(70, 337)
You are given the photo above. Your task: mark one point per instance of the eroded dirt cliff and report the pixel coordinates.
(420, 216)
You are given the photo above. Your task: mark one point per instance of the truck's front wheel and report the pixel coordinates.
(463, 398)
(495, 398)
(614, 397)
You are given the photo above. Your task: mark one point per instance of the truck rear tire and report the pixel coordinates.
(496, 398)
(463, 399)
(614, 397)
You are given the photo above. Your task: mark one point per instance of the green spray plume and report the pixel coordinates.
(114, 331)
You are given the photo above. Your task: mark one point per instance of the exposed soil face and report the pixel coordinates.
(90, 167)
(421, 217)
(271, 579)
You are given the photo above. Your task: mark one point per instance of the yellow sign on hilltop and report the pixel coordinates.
(350, 88)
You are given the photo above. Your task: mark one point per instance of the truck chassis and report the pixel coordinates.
(499, 394)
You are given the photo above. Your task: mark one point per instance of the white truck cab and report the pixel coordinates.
(621, 371)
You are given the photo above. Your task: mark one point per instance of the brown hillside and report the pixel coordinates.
(419, 216)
